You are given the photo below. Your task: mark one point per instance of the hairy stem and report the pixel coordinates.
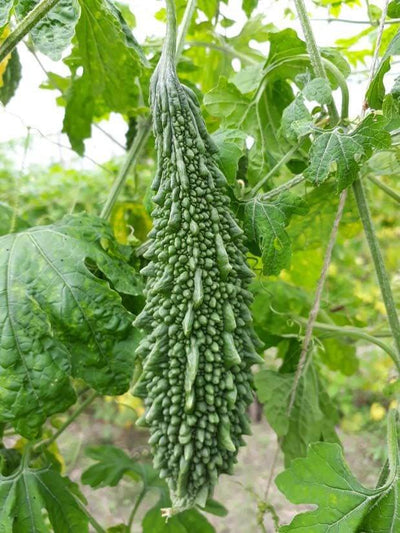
(32, 18)
(284, 187)
(388, 190)
(317, 301)
(380, 269)
(313, 51)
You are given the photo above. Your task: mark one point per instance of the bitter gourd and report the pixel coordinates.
(196, 356)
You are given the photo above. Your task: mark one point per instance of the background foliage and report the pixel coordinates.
(286, 159)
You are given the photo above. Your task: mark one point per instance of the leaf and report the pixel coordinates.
(10, 79)
(231, 147)
(249, 6)
(265, 223)
(53, 33)
(191, 521)
(341, 153)
(324, 479)
(5, 9)
(296, 119)
(112, 464)
(26, 494)
(226, 101)
(215, 508)
(309, 421)
(248, 78)
(318, 90)
(110, 59)
(209, 7)
(376, 90)
(59, 320)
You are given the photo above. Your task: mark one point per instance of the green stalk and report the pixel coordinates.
(273, 170)
(132, 156)
(170, 48)
(68, 422)
(313, 51)
(32, 18)
(340, 331)
(183, 29)
(284, 187)
(138, 501)
(388, 190)
(380, 269)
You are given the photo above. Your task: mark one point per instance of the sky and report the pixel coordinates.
(34, 112)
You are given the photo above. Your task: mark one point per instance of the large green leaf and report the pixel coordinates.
(61, 320)
(11, 78)
(344, 504)
(26, 494)
(53, 33)
(342, 154)
(312, 416)
(110, 59)
(265, 224)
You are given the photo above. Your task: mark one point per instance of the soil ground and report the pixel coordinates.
(239, 493)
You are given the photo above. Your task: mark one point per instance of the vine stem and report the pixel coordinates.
(369, 230)
(353, 332)
(138, 501)
(132, 156)
(273, 170)
(32, 18)
(381, 273)
(284, 187)
(313, 51)
(317, 300)
(388, 190)
(68, 422)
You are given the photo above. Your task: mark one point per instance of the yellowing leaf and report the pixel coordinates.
(4, 63)
(377, 412)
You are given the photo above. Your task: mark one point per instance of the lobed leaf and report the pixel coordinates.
(265, 223)
(27, 493)
(342, 154)
(344, 504)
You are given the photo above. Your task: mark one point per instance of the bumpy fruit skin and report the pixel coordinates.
(196, 356)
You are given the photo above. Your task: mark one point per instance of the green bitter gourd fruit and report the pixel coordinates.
(199, 347)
